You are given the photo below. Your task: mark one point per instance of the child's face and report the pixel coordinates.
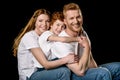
(57, 27)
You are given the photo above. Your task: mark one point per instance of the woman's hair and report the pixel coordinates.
(57, 15)
(30, 26)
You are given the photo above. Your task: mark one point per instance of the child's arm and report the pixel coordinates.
(62, 39)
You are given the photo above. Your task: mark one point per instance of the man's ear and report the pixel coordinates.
(65, 21)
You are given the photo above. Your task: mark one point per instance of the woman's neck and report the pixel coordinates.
(38, 32)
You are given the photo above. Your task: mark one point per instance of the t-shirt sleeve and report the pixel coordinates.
(60, 49)
(30, 41)
(44, 36)
(85, 34)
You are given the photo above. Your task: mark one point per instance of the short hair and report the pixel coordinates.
(70, 6)
(57, 15)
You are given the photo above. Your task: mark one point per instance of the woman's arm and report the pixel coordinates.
(39, 55)
(62, 39)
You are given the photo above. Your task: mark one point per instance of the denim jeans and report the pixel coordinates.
(109, 71)
(60, 73)
(114, 69)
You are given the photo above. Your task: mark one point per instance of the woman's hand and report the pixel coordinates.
(71, 58)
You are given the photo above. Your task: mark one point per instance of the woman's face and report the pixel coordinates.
(57, 27)
(42, 23)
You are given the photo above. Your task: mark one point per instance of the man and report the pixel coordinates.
(86, 68)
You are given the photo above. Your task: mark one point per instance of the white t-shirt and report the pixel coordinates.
(61, 49)
(45, 44)
(26, 61)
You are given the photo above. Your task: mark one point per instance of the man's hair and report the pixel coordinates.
(70, 6)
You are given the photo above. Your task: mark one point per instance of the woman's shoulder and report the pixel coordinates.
(30, 34)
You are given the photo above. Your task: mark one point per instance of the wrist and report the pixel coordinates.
(64, 60)
(77, 39)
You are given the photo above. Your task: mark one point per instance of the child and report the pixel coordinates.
(47, 38)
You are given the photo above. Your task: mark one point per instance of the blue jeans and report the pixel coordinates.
(109, 71)
(114, 69)
(60, 73)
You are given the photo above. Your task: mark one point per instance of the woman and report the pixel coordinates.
(27, 49)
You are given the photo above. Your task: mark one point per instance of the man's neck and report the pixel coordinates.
(71, 33)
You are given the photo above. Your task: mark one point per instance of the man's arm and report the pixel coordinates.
(92, 63)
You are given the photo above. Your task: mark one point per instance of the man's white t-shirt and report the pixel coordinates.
(61, 49)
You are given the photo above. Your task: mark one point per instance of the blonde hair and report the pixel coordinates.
(30, 26)
(70, 6)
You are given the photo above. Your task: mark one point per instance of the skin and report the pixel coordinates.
(57, 27)
(73, 21)
(41, 25)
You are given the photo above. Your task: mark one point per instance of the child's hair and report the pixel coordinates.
(57, 15)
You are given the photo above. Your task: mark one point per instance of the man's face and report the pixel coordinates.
(73, 20)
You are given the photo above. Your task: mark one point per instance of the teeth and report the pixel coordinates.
(76, 26)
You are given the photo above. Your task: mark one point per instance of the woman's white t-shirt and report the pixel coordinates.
(26, 61)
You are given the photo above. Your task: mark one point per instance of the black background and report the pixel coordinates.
(101, 22)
